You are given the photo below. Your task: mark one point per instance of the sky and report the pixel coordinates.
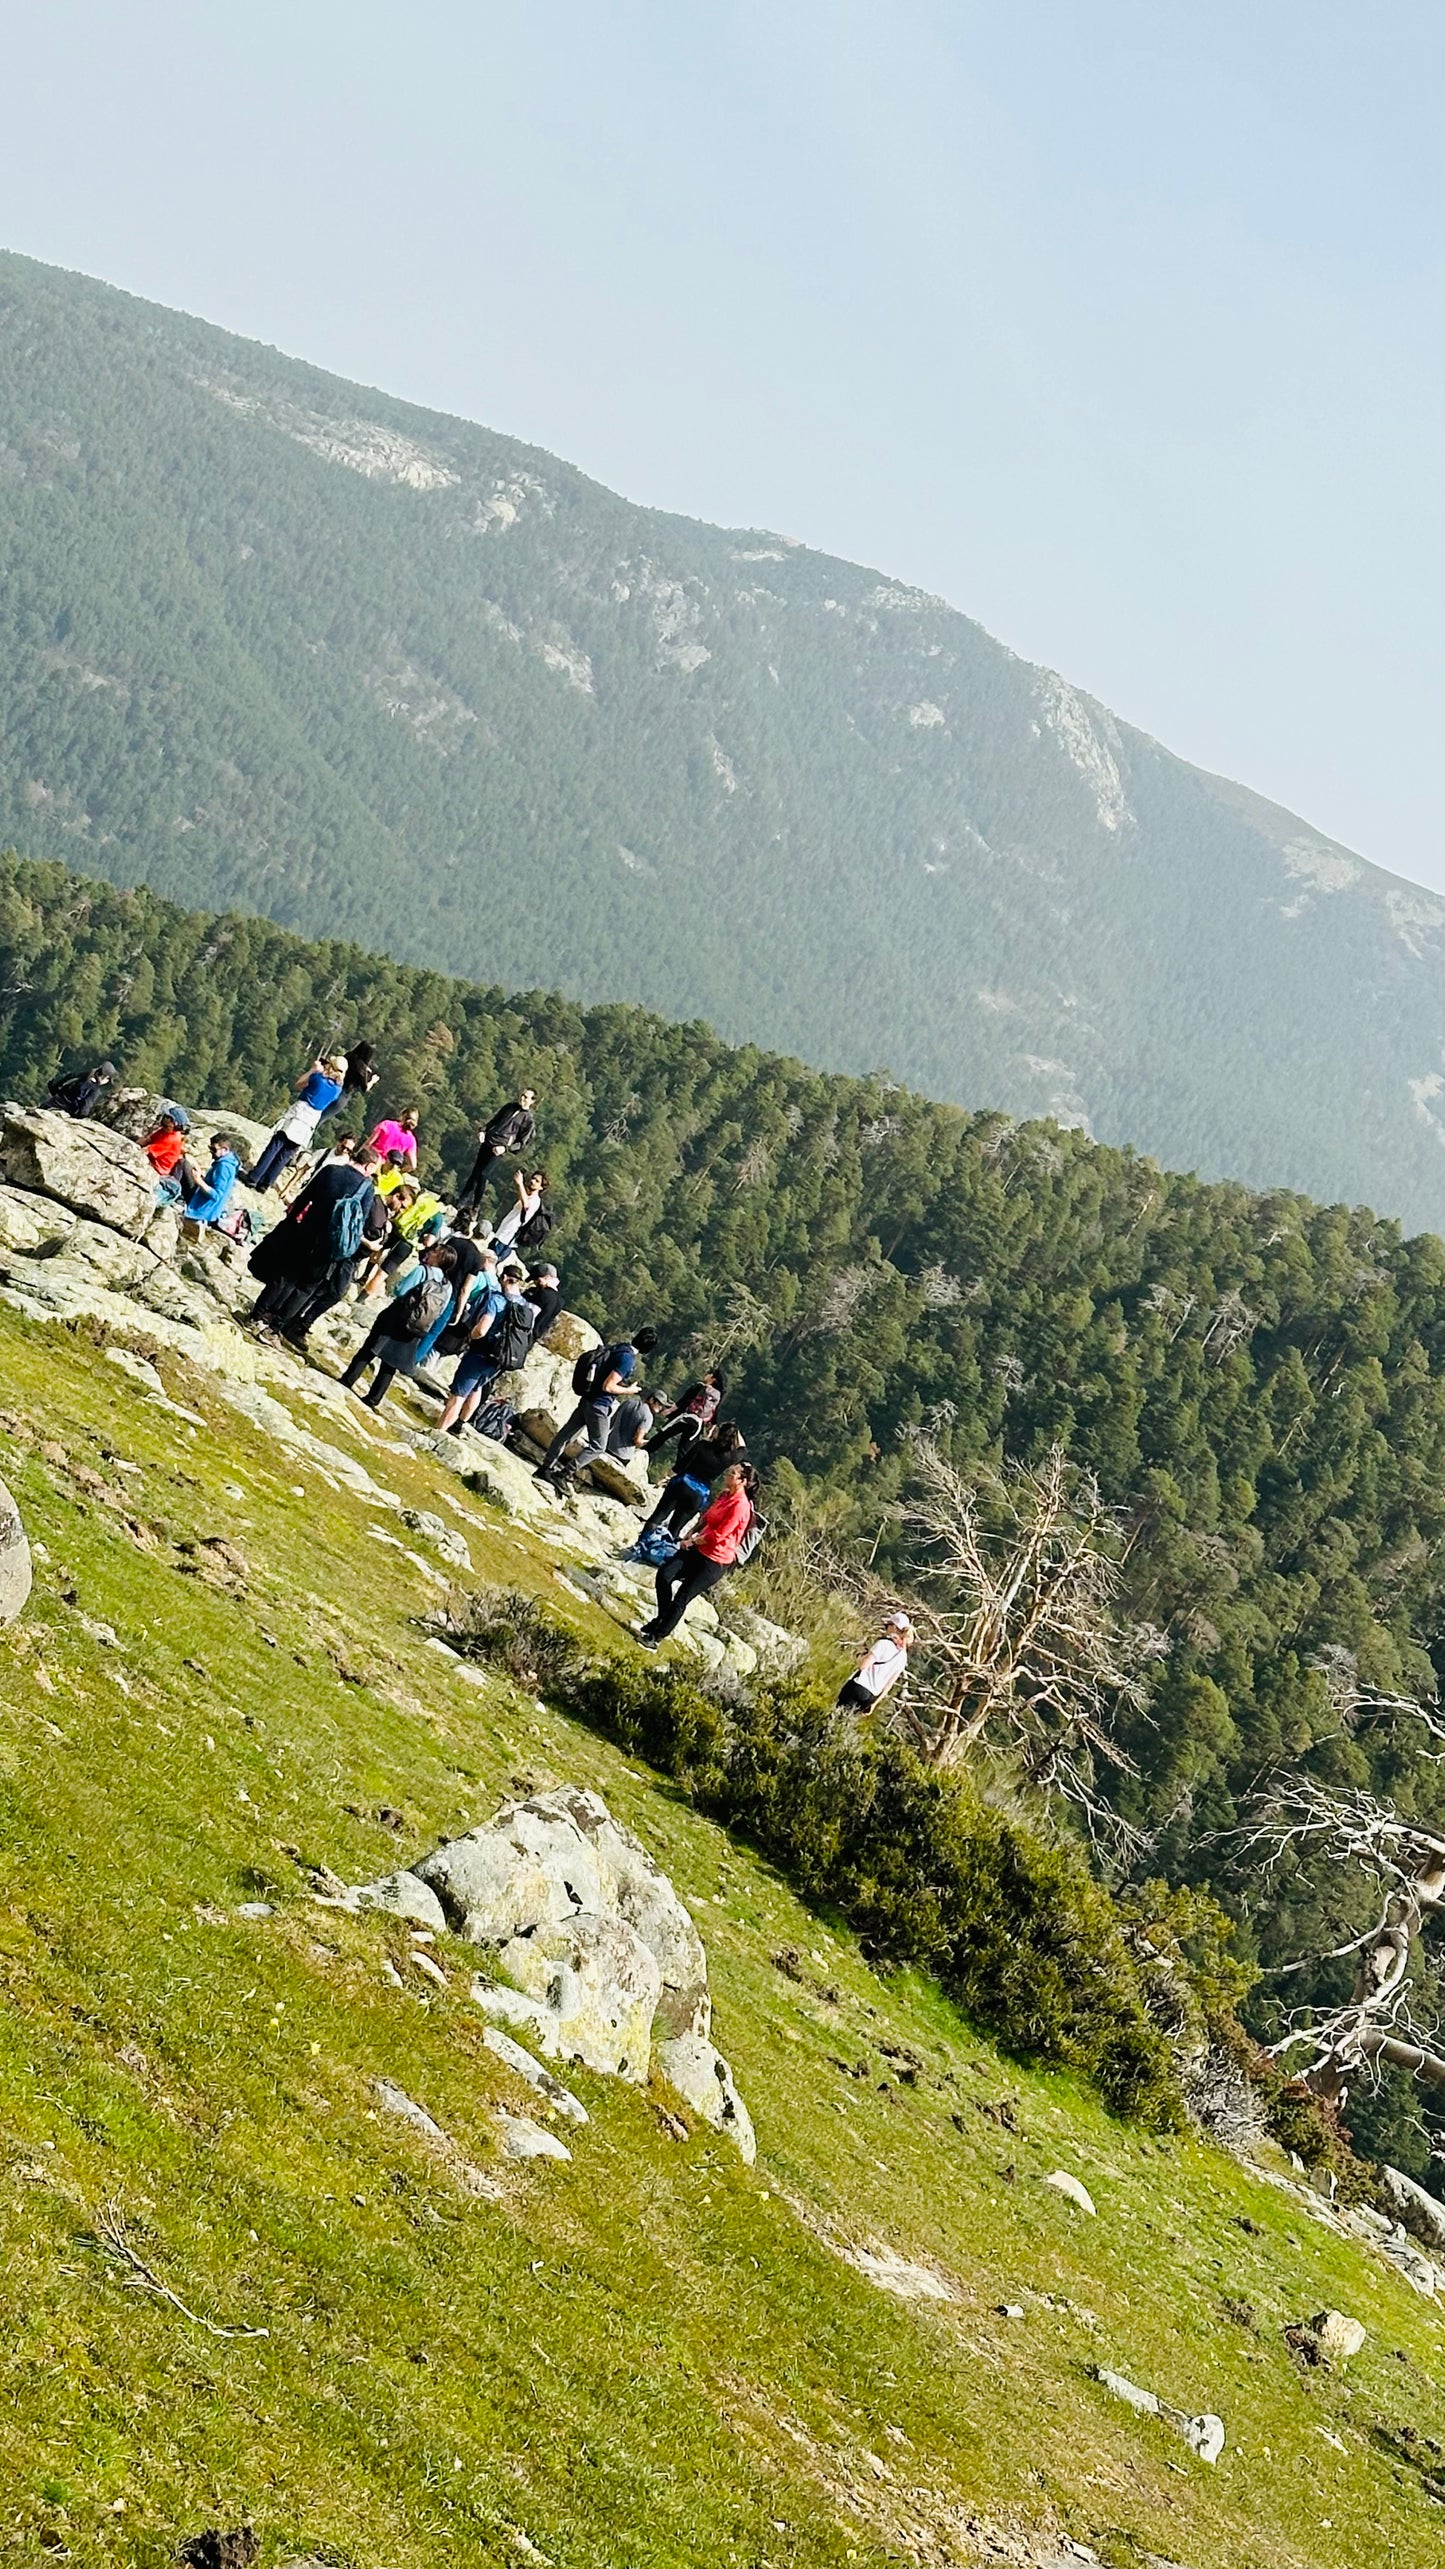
(1115, 322)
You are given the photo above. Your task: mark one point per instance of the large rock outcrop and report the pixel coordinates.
(599, 1959)
(86, 1166)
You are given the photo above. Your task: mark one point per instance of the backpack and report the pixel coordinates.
(509, 1339)
(348, 1225)
(590, 1370)
(654, 1546)
(236, 1226)
(534, 1232)
(494, 1419)
(418, 1311)
(757, 1528)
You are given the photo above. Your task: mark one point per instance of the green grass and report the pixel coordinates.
(651, 2357)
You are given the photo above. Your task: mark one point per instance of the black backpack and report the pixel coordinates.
(590, 1369)
(533, 1233)
(507, 1342)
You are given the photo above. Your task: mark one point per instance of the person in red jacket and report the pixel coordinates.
(706, 1555)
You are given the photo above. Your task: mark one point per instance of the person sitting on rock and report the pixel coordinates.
(209, 1198)
(165, 1148)
(82, 1092)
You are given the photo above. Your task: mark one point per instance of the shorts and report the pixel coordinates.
(856, 1699)
(474, 1367)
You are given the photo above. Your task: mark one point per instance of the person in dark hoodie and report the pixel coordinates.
(324, 1229)
(82, 1092)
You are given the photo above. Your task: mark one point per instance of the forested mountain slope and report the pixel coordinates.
(271, 640)
(1258, 1382)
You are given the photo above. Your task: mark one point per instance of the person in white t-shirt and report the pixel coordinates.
(880, 1668)
(531, 1188)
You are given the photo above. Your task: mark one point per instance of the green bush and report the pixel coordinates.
(1013, 1928)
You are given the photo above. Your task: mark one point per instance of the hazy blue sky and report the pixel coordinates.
(1115, 321)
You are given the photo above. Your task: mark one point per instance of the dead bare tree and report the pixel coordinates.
(1404, 1862)
(1026, 1655)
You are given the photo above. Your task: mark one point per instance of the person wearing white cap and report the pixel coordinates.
(880, 1668)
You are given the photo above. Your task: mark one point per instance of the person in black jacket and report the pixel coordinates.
(544, 1288)
(297, 1259)
(703, 1463)
(506, 1136)
(82, 1092)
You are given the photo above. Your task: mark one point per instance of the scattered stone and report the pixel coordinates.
(1009, 2309)
(401, 1895)
(142, 1371)
(445, 1537)
(395, 2100)
(1068, 2185)
(1337, 2337)
(433, 1970)
(560, 2098)
(704, 2081)
(1122, 2388)
(1204, 2435)
(16, 1575)
(524, 2139)
(254, 1909)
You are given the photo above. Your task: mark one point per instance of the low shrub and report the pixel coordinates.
(1015, 1929)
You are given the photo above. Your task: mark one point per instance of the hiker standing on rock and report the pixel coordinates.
(706, 1554)
(691, 1413)
(686, 1494)
(499, 1344)
(508, 1134)
(529, 1220)
(324, 1230)
(544, 1291)
(316, 1093)
(399, 1330)
(599, 1380)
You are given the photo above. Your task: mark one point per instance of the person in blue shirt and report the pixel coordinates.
(316, 1093)
(212, 1196)
(611, 1372)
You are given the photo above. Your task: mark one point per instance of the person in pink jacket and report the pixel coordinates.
(395, 1137)
(706, 1555)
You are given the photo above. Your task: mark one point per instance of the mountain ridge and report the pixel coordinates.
(280, 642)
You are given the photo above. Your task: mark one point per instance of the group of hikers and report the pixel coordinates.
(452, 1284)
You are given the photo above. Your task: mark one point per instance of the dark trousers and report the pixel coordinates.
(366, 1354)
(487, 1159)
(280, 1301)
(276, 1157)
(313, 1302)
(595, 1416)
(689, 1575)
(677, 1506)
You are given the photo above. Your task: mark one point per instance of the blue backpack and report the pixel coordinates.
(348, 1224)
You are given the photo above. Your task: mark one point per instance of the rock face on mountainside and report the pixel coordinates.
(600, 1961)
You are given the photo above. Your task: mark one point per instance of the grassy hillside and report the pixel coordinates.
(272, 640)
(1257, 1381)
(652, 2354)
